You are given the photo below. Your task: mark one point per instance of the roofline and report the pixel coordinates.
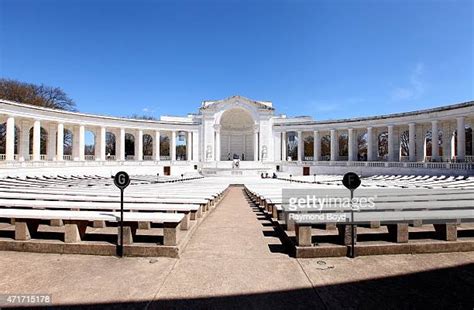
(108, 117)
(266, 107)
(386, 116)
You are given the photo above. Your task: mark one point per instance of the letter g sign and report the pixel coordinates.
(121, 180)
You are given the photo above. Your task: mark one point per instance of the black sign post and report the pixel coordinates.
(121, 180)
(351, 181)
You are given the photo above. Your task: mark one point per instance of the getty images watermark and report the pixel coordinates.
(325, 205)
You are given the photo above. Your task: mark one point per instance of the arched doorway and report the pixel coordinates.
(237, 135)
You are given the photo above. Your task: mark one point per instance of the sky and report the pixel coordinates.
(325, 59)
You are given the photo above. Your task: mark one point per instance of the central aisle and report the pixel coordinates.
(235, 259)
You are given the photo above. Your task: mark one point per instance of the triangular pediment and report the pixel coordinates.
(263, 105)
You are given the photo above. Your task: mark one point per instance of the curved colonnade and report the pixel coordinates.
(241, 128)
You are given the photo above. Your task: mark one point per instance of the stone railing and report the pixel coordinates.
(89, 157)
(378, 164)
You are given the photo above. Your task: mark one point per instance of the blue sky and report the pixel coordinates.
(327, 59)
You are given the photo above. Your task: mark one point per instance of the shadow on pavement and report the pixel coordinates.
(440, 289)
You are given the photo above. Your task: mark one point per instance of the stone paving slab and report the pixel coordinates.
(440, 280)
(77, 279)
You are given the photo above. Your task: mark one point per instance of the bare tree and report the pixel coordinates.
(110, 143)
(326, 145)
(343, 145)
(39, 95)
(362, 146)
(404, 143)
(165, 146)
(147, 145)
(144, 117)
(68, 140)
(3, 138)
(309, 146)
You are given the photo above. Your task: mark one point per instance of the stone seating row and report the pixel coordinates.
(395, 209)
(105, 193)
(402, 181)
(76, 222)
(27, 207)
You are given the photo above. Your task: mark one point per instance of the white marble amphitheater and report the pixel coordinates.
(238, 136)
(236, 206)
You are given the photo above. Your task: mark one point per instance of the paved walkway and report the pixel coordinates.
(235, 258)
(234, 261)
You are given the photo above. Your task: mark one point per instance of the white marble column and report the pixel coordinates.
(411, 141)
(101, 144)
(10, 139)
(24, 145)
(51, 144)
(350, 142)
(461, 135)
(60, 142)
(391, 151)
(300, 146)
(255, 145)
(217, 143)
(139, 145)
(156, 145)
(334, 145)
(121, 145)
(189, 146)
(370, 144)
(173, 146)
(36, 140)
(434, 140)
(195, 145)
(316, 146)
(284, 156)
(81, 142)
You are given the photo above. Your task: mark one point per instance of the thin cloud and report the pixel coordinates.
(415, 87)
(148, 110)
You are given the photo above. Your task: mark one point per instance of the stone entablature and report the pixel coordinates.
(245, 128)
(442, 113)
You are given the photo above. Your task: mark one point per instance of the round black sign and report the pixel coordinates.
(121, 179)
(351, 181)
